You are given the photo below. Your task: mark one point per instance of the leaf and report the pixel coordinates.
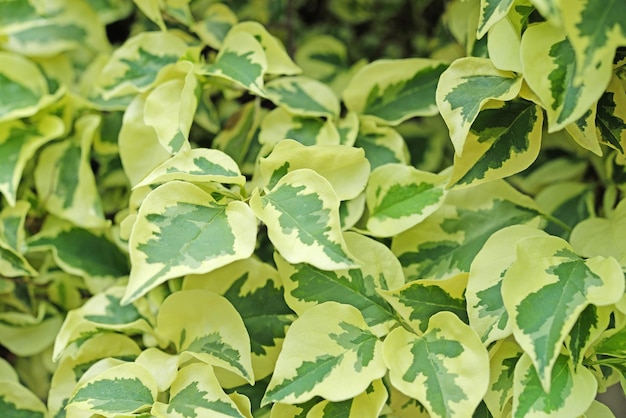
(611, 116)
(169, 108)
(255, 290)
(584, 131)
(547, 271)
(303, 96)
(502, 363)
(485, 307)
(198, 165)
(279, 124)
(399, 197)
(344, 360)
(571, 393)
(392, 91)
(307, 286)
(236, 137)
(196, 392)
(502, 141)
(346, 168)
(446, 242)
(591, 323)
(64, 178)
(174, 235)
(382, 145)
(445, 369)
(13, 263)
(367, 404)
(134, 66)
(217, 20)
(187, 319)
(465, 88)
(19, 402)
(570, 203)
(492, 11)
(312, 235)
(29, 334)
(242, 61)
(550, 69)
(123, 389)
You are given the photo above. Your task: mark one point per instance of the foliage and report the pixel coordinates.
(282, 208)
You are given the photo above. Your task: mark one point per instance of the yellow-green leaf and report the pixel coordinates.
(502, 361)
(303, 96)
(217, 19)
(492, 11)
(368, 404)
(382, 145)
(280, 124)
(17, 401)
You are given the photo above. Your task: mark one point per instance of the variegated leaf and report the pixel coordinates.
(485, 308)
(217, 19)
(152, 10)
(585, 132)
(133, 67)
(611, 116)
(127, 388)
(445, 369)
(307, 286)
(170, 107)
(446, 242)
(403, 406)
(399, 197)
(502, 141)
(241, 60)
(65, 180)
(313, 235)
(303, 96)
(346, 168)
(236, 138)
(570, 203)
(382, 145)
(344, 360)
(110, 11)
(417, 301)
(19, 402)
(187, 319)
(550, 69)
(25, 334)
(492, 11)
(591, 323)
(174, 235)
(254, 289)
(280, 124)
(502, 362)
(392, 91)
(368, 404)
(571, 392)
(322, 57)
(547, 271)
(198, 165)
(465, 88)
(197, 392)
(611, 343)
(13, 263)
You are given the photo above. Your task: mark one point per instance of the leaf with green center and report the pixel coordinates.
(399, 197)
(550, 69)
(591, 323)
(14, 264)
(571, 392)
(127, 388)
(236, 137)
(446, 242)
(492, 11)
(417, 301)
(485, 308)
(134, 66)
(216, 21)
(502, 141)
(303, 96)
(392, 91)
(302, 217)
(187, 319)
(368, 404)
(570, 203)
(242, 61)
(174, 235)
(547, 272)
(595, 29)
(65, 180)
(346, 168)
(197, 392)
(307, 286)
(502, 363)
(446, 369)
(16, 401)
(612, 343)
(382, 145)
(611, 116)
(254, 289)
(465, 88)
(12, 224)
(344, 360)
(279, 124)
(170, 107)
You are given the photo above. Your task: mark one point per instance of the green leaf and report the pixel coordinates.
(312, 236)
(236, 138)
(307, 286)
(22, 87)
(345, 167)
(445, 369)
(465, 88)
(591, 323)
(344, 360)
(187, 319)
(502, 361)
(18, 402)
(550, 69)
(368, 404)
(502, 141)
(392, 91)
(279, 124)
(611, 116)
(174, 235)
(492, 11)
(547, 271)
(124, 389)
(382, 145)
(217, 19)
(303, 96)
(446, 242)
(570, 203)
(399, 197)
(485, 308)
(571, 392)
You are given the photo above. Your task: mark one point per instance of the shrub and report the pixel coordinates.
(285, 208)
